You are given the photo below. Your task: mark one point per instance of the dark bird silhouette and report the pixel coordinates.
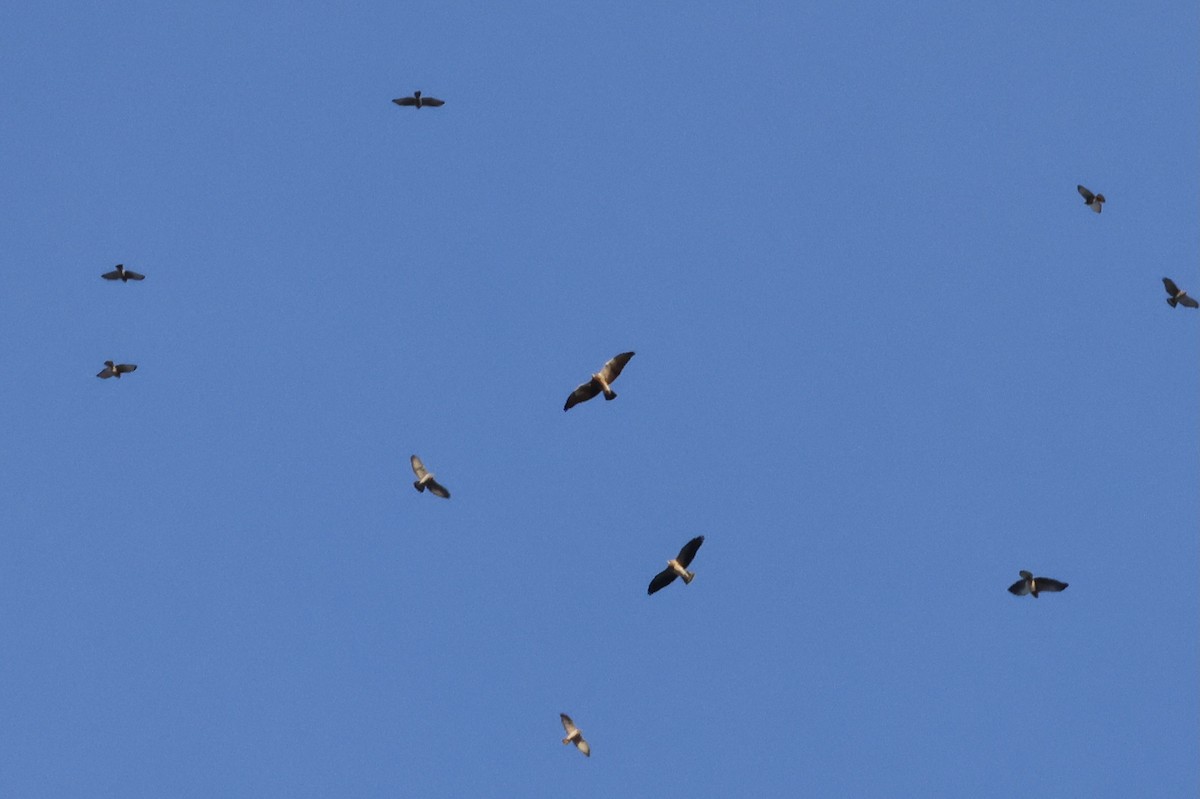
(601, 381)
(574, 736)
(1093, 201)
(425, 480)
(115, 370)
(677, 567)
(1178, 296)
(419, 101)
(122, 274)
(1028, 584)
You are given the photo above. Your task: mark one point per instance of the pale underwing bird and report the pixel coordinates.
(418, 101)
(122, 274)
(425, 480)
(1093, 201)
(1178, 296)
(1028, 584)
(574, 736)
(600, 382)
(677, 567)
(115, 369)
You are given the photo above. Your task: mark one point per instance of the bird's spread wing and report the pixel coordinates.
(1087, 195)
(437, 489)
(134, 275)
(1170, 286)
(433, 101)
(1189, 302)
(689, 551)
(1020, 588)
(405, 101)
(568, 725)
(613, 368)
(418, 467)
(661, 580)
(582, 393)
(113, 275)
(584, 747)
(106, 373)
(1046, 584)
(126, 367)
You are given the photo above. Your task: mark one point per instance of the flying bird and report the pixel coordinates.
(419, 101)
(115, 370)
(1093, 201)
(1177, 296)
(1028, 584)
(600, 382)
(425, 480)
(122, 274)
(677, 567)
(574, 736)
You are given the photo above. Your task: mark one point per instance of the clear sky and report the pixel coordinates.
(886, 358)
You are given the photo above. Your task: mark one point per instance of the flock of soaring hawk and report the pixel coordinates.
(601, 383)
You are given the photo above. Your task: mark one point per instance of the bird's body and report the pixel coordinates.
(1093, 201)
(1177, 296)
(122, 274)
(574, 736)
(115, 370)
(680, 571)
(677, 567)
(609, 394)
(417, 101)
(600, 382)
(425, 479)
(1028, 584)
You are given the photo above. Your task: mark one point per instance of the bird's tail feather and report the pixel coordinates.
(688, 577)
(566, 740)
(610, 394)
(1172, 301)
(417, 484)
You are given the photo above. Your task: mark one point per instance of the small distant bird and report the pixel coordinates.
(1028, 584)
(677, 567)
(1093, 201)
(574, 736)
(122, 274)
(599, 382)
(1178, 296)
(425, 480)
(419, 101)
(115, 370)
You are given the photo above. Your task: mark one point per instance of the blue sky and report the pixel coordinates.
(885, 359)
